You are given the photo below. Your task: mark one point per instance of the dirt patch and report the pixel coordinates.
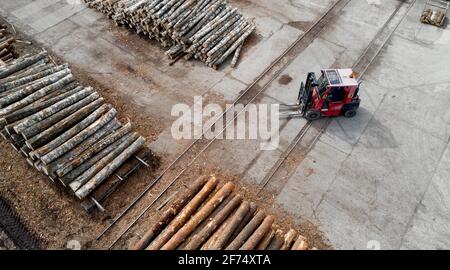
(46, 209)
(250, 42)
(147, 126)
(303, 26)
(285, 79)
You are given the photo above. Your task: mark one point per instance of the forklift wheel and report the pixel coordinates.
(312, 115)
(350, 113)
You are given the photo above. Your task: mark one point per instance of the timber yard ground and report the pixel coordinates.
(381, 177)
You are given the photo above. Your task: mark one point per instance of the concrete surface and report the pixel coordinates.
(385, 183)
(382, 176)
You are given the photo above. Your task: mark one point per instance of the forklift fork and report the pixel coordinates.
(294, 110)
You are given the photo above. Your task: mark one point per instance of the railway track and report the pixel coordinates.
(360, 66)
(257, 88)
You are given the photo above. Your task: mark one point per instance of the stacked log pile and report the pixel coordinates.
(65, 130)
(208, 30)
(433, 17)
(212, 217)
(7, 53)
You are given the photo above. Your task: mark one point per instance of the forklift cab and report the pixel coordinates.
(335, 93)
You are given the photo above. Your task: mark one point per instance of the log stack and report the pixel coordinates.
(208, 216)
(208, 30)
(7, 53)
(433, 16)
(65, 130)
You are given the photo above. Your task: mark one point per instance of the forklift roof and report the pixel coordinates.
(341, 77)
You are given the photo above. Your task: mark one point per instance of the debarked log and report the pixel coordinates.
(198, 239)
(246, 232)
(201, 215)
(289, 240)
(170, 213)
(236, 219)
(300, 244)
(259, 234)
(184, 215)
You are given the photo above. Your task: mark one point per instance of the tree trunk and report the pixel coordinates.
(91, 172)
(32, 77)
(37, 95)
(71, 132)
(55, 125)
(289, 239)
(200, 238)
(71, 176)
(108, 129)
(109, 169)
(217, 234)
(184, 216)
(300, 244)
(264, 243)
(37, 106)
(33, 69)
(49, 111)
(69, 166)
(77, 139)
(11, 69)
(236, 219)
(170, 213)
(21, 92)
(201, 215)
(276, 242)
(259, 234)
(246, 231)
(250, 214)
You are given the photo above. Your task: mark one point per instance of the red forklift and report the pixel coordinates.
(335, 93)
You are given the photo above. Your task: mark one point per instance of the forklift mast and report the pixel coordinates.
(306, 91)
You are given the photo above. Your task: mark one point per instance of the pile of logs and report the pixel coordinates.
(7, 53)
(65, 130)
(433, 17)
(209, 217)
(208, 30)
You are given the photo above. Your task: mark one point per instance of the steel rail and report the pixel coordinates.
(302, 133)
(285, 155)
(248, 89)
